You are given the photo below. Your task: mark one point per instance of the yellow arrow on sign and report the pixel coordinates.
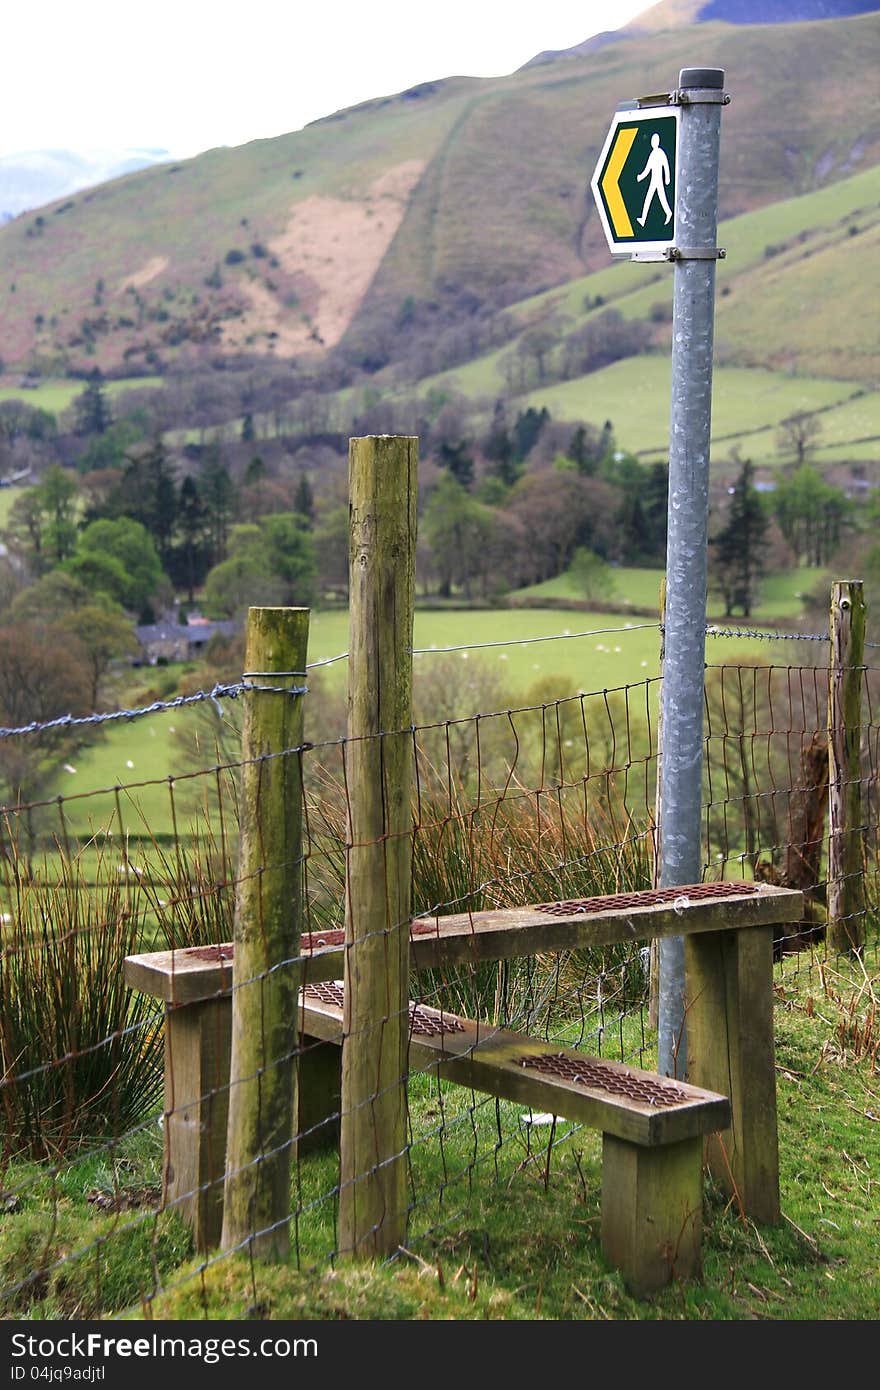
(610, 187)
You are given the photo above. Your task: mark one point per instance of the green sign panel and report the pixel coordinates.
(634, 181)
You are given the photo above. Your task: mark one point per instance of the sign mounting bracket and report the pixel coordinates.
(694, 253)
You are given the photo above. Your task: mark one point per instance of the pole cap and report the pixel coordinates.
(701, 77)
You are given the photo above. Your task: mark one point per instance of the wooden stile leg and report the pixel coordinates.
(198, 1039)
(197, 1051)
(730, 1049)
(320, 1096)
(652, 1211)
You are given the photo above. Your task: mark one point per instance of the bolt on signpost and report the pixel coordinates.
(656, 189)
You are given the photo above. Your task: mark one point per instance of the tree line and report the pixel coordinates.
(125, 519)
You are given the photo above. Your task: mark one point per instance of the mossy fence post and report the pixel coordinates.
(846, 886)
(268, 919)
(379, 752)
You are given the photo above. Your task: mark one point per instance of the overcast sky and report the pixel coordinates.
(185, 75)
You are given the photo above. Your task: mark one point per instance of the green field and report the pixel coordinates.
(747, 406)
(779, 594)
(161, 746)
(627, 652)
(127, 755)
(589, 653)
(58, 395)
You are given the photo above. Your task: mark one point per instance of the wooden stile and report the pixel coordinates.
(197, 1047)
(651, 1196)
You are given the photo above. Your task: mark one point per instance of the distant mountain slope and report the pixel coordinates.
(781, 11)
(40, 176)
(505, 208)
(415, 209)
(674, 14)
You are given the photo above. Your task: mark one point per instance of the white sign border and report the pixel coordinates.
(635, 250)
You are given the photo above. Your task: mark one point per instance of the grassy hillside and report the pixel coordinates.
(518, 1234)
(794, 332)
(747, 405)
(513, 174)
(781, 249)
(453, 193)
(154, 238)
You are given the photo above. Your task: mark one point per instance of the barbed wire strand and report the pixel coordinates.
(216, 693)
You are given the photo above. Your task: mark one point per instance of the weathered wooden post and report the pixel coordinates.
(373, 1135)
(846, 886)
(729, 976)
(268, 913)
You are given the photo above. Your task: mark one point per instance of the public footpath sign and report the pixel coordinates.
(635, 179)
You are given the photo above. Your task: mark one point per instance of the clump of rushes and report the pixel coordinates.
(81, 1053)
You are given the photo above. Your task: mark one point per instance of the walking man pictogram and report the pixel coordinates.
(657, 166)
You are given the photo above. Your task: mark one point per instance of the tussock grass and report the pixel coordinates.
(81, 1053)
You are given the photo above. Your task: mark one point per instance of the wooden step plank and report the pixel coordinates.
(186, 975)
(526, 931)
(485, 1058)
(190, 974)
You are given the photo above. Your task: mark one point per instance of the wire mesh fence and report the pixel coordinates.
(116, 1089)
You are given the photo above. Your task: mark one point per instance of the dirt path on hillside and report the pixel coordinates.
(331, 249)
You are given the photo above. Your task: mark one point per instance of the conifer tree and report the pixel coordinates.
(737, 554)
(93, 415)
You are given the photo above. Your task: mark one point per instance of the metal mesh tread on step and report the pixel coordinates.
(649, 897)
(600, 1077)
(423, 1022)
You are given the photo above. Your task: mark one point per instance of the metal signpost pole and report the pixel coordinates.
(700, 98)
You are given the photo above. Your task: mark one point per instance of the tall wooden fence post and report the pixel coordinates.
(846, 887)
(373, 1133)
(268, 919)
